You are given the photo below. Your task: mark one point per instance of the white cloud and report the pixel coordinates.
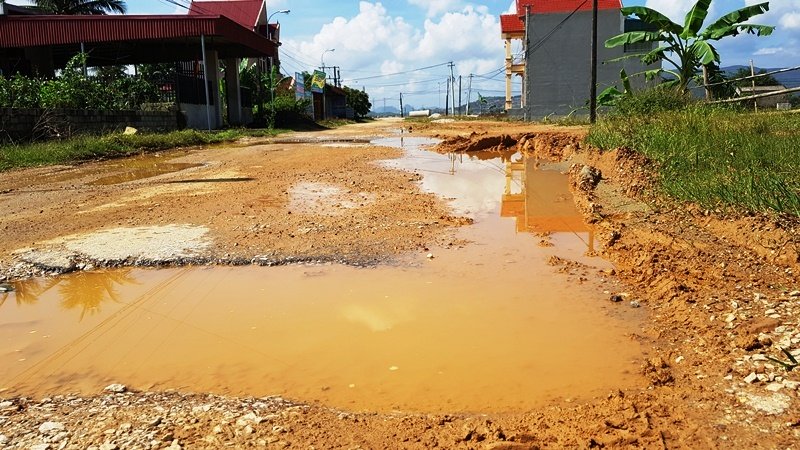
(769, 51)
(375, 42)
(437, 7)
(471, 33)
(790, 21)
(674, 9)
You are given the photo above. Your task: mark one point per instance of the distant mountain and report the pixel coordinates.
(385, 111)
(788, 79)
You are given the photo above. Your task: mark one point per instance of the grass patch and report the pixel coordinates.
(718, 158)
(82, 148)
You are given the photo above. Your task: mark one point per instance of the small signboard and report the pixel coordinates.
(299, 86)
(318, 82)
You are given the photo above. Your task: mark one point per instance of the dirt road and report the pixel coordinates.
(721, 293)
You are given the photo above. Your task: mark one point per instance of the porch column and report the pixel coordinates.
(509, 74)
(213, 78)
(234, 93)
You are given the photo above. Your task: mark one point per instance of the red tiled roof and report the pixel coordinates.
(34, 31)
(244, 12)
(511, 23)
(564, 6)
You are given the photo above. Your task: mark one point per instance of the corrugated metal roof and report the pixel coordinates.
(511, 23)
(244, 12)
(36, 31)
(564, 6)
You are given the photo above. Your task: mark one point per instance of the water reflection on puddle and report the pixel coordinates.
(489, 327)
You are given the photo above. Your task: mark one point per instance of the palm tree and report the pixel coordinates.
(687, 47)
(81, 7)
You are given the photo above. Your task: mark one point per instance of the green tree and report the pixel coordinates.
(687, 47)
(742, 72)
(359, 101)
(81, 7)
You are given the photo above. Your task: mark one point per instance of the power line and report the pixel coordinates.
(401, 73)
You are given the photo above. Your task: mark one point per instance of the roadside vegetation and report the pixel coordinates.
(82, 148)
(718, 157)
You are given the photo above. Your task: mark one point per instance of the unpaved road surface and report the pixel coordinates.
(721, 292)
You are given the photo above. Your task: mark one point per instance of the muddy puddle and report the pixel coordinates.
(490, 326)
(124, 170)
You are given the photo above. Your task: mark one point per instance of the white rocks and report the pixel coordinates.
(751, 378)
(774, 387)
(679, 359)
(791, 385)
(197, 410)
(108, 446)
(794, 294)
(155, 422)
(116, 388)
(772, 404)
(730, 318)
(40, 447)
(51, 427)
(3, 439)
(429, 256)
(635, 304)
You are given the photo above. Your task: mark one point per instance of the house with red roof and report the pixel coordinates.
(211, 37)
(556, 50)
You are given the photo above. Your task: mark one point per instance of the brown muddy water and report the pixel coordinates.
(490, 327)
(117, 171)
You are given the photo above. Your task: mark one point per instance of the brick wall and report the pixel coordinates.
(24, 124)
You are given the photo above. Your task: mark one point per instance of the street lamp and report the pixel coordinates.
(322, 57)
(282, 11)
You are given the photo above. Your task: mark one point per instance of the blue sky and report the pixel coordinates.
(373, 39)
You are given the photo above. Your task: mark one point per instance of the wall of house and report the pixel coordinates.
(558, 63)
(23, 124)
(197, 116)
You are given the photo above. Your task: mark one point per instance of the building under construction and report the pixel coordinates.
(556, 51)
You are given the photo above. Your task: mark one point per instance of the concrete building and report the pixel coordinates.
(555, 63)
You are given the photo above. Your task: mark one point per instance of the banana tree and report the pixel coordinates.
(687, 47)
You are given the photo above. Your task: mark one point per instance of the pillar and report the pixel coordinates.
(509, 74)
(212, 71)
(234, 92)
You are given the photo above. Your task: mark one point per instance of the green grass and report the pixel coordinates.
(718, 158)
(82, 148)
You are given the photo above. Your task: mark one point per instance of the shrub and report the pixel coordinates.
(287, 111)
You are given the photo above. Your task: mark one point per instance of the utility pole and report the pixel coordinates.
(401, 106)
(447, 98)
(753, 74)
(336, 76)
(469, 92)
(453, 85)
(593, 85)
(459, 95)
